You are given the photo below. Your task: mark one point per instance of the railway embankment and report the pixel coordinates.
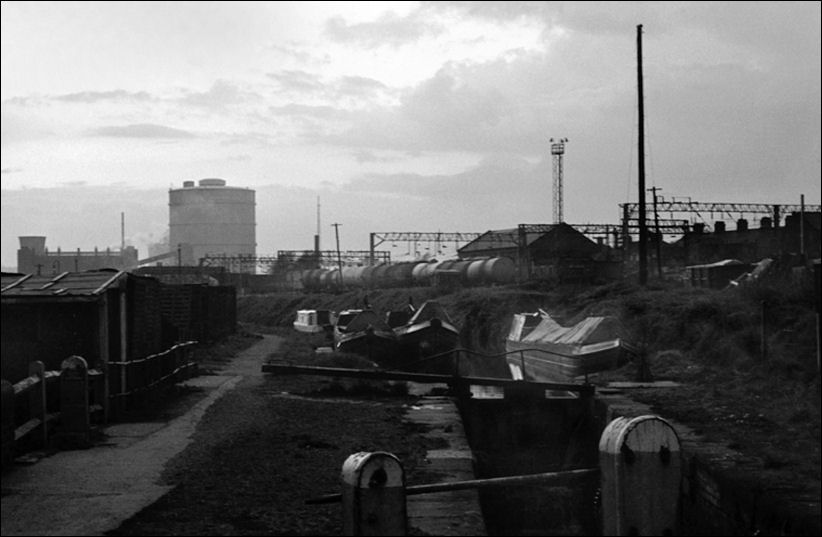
(743, 390)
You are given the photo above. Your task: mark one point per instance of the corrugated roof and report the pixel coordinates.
(66, 284)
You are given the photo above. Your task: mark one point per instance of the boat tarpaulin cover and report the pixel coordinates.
(587, 331)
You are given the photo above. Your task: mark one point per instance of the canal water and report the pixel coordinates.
(528, 434)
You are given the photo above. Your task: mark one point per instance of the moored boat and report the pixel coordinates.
(361, 331)
(314, 321)
(548, 352)
(426, 339)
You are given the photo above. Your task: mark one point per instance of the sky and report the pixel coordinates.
(396, 116)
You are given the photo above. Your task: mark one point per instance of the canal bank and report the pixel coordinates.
(723, 491)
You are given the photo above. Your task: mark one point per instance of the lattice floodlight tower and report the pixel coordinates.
(557, 150)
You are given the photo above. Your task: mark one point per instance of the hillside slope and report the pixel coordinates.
(760, 400)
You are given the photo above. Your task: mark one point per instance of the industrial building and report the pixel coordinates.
(547, 251)
(211, 219)
(34, 258)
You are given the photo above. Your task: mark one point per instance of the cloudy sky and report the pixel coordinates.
(399, 116)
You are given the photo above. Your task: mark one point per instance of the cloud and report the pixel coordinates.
(221, 94)
(95, 96)
(359, 85)
(26, 127)
(390, 29)
(140, 130)
(302, 88)
(363, 156)
(298, 81)
(301, 55)
(482, 181)
(462, 108)
(314, 111)
(11, 170)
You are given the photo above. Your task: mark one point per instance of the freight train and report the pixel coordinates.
(457, 272)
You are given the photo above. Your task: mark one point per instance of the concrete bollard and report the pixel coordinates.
(75, 425)
(373, 495)
(640, 464)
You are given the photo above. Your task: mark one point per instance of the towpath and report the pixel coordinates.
(89, 492)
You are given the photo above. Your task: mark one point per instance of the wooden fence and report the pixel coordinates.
(57, 408)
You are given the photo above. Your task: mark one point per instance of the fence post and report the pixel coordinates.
(640, 465)
(6, 423)
(37, 398)
(75, 426)
(373, 495)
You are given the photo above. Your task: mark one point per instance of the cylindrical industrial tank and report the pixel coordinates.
(499, 270)
(462, 267)
(448, 264)
(430, 268)
(352, 276)
(741, 225)
(293, 279)
(418, 273)
(214, 219)
(311, 278)
(473, 272)
(765, 222)
(330, 279)
(378, 275)
(719, 226)
(367, 275)
(399, 275)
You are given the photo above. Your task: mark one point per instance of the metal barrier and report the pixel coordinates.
(639, 468)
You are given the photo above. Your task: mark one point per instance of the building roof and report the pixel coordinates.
(499, 239)
(69, 284)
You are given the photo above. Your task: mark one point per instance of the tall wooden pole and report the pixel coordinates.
(643, 232)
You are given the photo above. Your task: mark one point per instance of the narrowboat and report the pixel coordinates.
(314, 321)
(426, 339)
(540, 349)
(361, 331)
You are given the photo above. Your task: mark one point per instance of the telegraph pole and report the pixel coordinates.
(658, 236)
(643, 232)
(339, 258)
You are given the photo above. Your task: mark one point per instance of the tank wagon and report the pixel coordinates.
(472, 272)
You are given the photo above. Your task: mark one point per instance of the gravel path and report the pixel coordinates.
(89, 492)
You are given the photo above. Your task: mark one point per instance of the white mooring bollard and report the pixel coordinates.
(373, 495)
(640, 464)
